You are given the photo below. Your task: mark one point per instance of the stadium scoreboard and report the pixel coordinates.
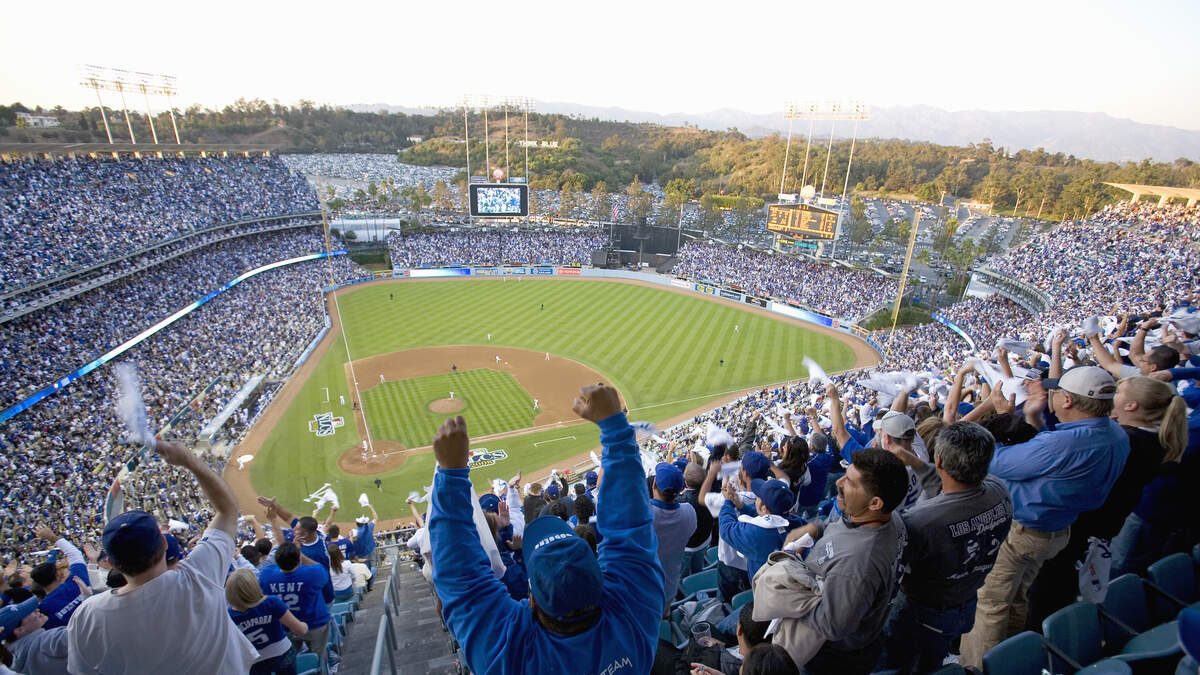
(802, 220)
(499, 200)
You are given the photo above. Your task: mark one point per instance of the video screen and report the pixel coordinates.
(491, 200)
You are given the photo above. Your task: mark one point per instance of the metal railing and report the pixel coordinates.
(386, 644)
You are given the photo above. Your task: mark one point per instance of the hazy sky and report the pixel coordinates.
(1134, 60)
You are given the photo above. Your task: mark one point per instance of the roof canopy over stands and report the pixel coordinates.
(1165, 194)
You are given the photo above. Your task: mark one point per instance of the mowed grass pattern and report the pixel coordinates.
(495, 402)
(660, 349)
(655, 345)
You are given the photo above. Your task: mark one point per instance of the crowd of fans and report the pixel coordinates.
(495, 247)
(828, 289)
(874, 517)
(42, 346)
(67, 213)
(63, 452)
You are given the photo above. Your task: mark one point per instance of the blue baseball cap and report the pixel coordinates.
(590, 478)
(681, 463)
(133, 535)
(490, 502)
(564, 575)
(552, 490)
(174, 551)
(774, 495)
(668, 477)
(756, 465)
(12, 615)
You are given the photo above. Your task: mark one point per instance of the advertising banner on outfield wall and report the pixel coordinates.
(443, 272)
(751, 300)
(541, 270)
(569, 271)
(484, 271)
(729, 295)
(704, 288)
(680, 283)
(511, 271)
(797, 313)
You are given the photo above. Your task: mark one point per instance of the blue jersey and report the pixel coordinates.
(302, 590)
(364, 542)
(261, 623)
(60, 603)
(346, 546)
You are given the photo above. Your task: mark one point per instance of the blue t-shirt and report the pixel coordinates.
(261, 623)
(318, 550)
(346, 546)
(301, 589)
(60, 604)
(364, 542)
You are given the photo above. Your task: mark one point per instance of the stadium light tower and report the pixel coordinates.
(855, 111)
(120, 81)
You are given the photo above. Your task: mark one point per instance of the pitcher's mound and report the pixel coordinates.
(447, 405)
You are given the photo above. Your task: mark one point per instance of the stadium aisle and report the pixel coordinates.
(424, 646)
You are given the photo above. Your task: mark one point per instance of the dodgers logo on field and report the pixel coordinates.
(324, 424)
(485, 457)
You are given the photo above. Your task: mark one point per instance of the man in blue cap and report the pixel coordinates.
(757, 532)
(583, 613)
(35, 649)
(673, 524)
(591, 478)
(164, 618)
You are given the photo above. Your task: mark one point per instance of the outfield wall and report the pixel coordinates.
(714, 290)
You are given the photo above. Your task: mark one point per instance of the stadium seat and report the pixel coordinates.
(741, 599)
(1174, 579)
(710, 557)
(308, 664)
(1129, 625)
(664, 631)
(1075, 640)
(1020, 654)
(699, 582)
(343, 608)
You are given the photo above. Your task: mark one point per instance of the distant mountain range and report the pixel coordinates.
(1097, 136)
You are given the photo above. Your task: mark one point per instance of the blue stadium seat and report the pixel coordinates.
(308, 664)
(1020, 654)
(1076, 640)
(699, 582)
(710, 557)
(741, 599)
(342, 609)
(1129, 626)
(1174, 580)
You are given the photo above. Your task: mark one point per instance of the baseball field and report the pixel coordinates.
(508, 356)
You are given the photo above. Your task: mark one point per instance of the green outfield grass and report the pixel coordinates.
(662, 350)
(494, 403)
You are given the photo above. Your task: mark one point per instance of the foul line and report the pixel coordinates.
(561, 438)
(362, 404)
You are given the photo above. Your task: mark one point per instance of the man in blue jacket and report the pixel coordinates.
(757, 531)
(583, 615)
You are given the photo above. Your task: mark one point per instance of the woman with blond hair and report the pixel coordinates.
(1159, 522)
(262, 620)
(1155, 419)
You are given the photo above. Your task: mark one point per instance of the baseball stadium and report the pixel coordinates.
(475, 388)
